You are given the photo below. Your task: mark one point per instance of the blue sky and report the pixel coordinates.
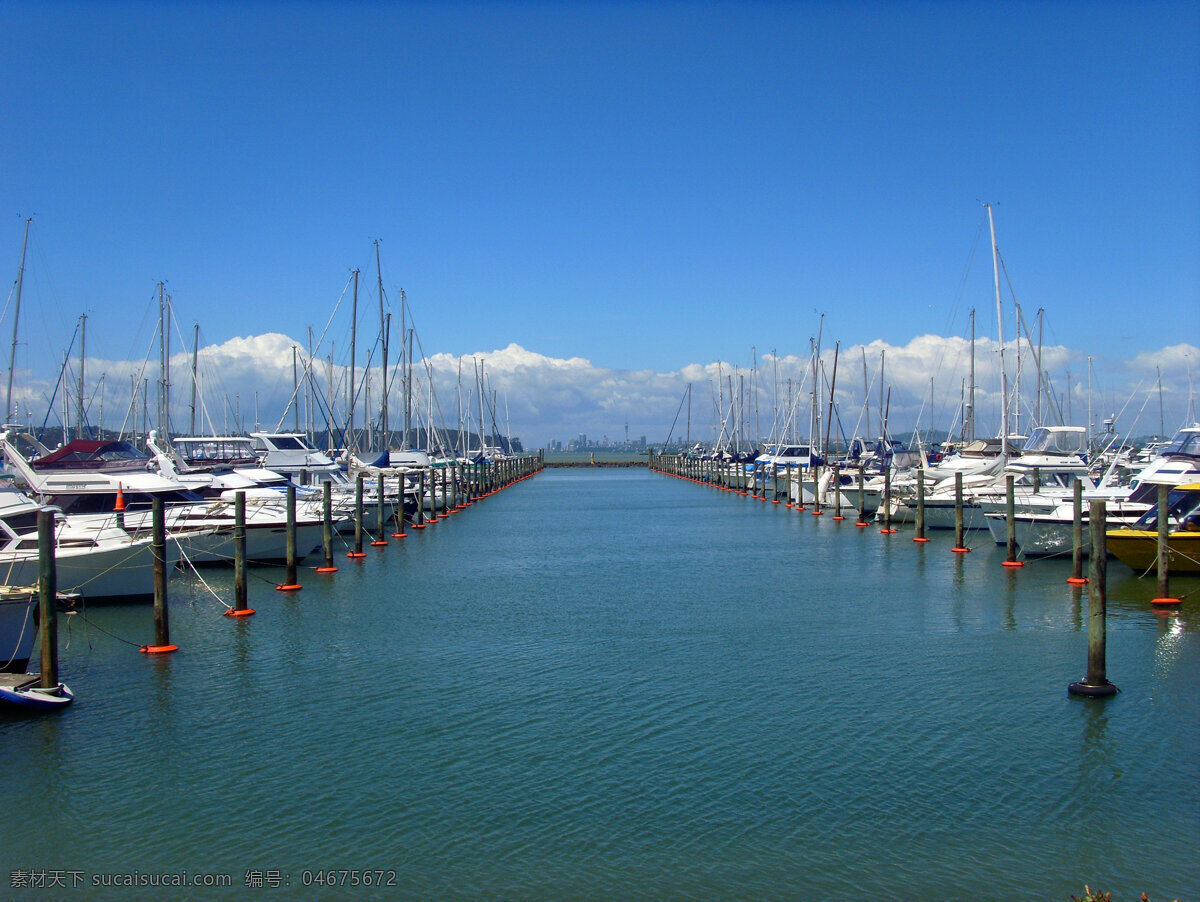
(647, 186)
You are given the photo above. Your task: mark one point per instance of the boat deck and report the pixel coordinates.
(19, 680)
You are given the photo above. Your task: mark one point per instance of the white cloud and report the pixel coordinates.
(548, 398)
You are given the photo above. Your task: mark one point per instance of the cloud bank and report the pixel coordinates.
(249, 381)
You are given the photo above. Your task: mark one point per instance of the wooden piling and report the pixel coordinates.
(862, 500)
(1163, 556)
(239, 548)
(327, 527)
(887, 500)
(291, 582)
(47, 599)
(959, 547)
(920, 536)
(1010, 519)
(1077, 578)
(240, 606)
(380, 513)
(1096, 684)
(358, 519)
(158, 548)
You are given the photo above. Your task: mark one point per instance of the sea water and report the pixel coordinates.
(616, 684)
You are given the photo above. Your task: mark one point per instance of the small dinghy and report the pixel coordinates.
(22, 690)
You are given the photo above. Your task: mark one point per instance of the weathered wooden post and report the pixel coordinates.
(358, 519)
(887, 500)
(419, 516)
(240, 607)
(291, 580)
(837, 493)
(1163, 557)
(1096, 684)
(47, 599)
(1010, 518)
(380, 514)
(158, 547)
(1077, 578)
(920, 536)
(327, 527)
(959, 547)
(816, 511)
(862, 501)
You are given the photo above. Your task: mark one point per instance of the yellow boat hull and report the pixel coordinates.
(1138, 549)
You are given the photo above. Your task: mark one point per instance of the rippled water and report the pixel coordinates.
(614, 684)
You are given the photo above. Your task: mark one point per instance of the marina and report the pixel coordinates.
(606, 682)
(601, 451)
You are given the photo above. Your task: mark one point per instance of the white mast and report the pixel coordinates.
(1000, 331)
(970, 417)
(9, 414)
(82, 347)
(353, 345)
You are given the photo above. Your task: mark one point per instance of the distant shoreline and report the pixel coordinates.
(598, 463)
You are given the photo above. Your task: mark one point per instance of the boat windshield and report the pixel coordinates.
(215, 450)
(81, 454)
(1055, 441)
(1186, 442)
(289, 443)
(1183, 511)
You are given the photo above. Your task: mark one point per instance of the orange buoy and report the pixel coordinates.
(234, 612)
(1077, 580)
(839, 517)
(326, 570)
(888, 532)
(960, 550)
(920, 539)
(379, 542)
(817, 513)
(1012, 563)
(356, 554)
(861, 524)
(158, 649)
(289, 587)
(1165, 601)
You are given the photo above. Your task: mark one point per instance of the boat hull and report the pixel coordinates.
(118, 573)
(1138, 549)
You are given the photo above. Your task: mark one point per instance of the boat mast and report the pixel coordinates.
(866, 394)
(295, 393)
(813, 429)
(308, 390)
(970, 417)
(832, 385)
(688, 440)
(883, 405)
(1000, 331)
(353, 346)
(9, 414)
(1162, 423)
(82, 345)
(405, 354)
(383, 330)
(1041, 311)
(195, 355)
(164, 344)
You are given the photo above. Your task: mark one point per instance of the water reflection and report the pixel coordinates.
(1170, 644)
